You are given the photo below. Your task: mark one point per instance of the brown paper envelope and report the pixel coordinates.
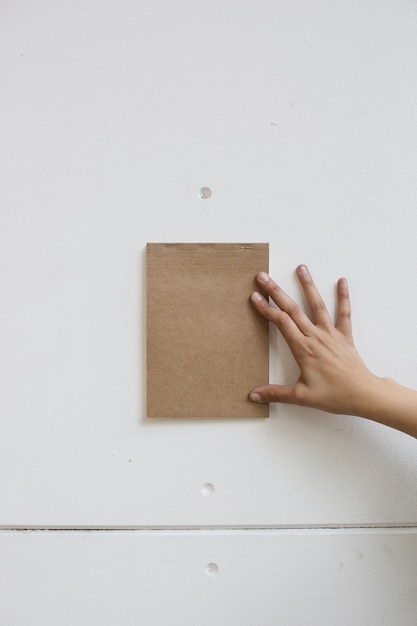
(206, 345)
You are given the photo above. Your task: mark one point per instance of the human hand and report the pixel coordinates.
(333, 376)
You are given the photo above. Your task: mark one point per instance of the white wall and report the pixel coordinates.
(301, 119)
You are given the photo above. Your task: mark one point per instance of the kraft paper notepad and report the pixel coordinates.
(206, 345)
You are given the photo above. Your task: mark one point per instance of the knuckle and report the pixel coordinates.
(300, 395)
(294, 310)
(308, 348)
(318, 306)
(267, 309)
(270, 395)
(283, 318)
(275, 291)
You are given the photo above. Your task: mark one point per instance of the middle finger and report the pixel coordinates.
(285, 303)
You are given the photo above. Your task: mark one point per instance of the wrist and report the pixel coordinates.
(385, 401)
(373, 396)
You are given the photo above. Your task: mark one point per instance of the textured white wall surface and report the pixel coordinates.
(300, 117)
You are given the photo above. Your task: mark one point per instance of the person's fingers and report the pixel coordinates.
(288, 328)
(319, 310)
(285, 303)
(275, 393)
(344, 323)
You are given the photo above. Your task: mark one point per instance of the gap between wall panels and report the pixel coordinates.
(220, 530)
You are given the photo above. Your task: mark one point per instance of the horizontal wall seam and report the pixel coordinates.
(407, 528)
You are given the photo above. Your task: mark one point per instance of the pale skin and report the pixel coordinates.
(333, 376)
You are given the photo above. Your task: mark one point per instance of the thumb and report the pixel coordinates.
(273, 393)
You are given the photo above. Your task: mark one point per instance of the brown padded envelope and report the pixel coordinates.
(206, 345)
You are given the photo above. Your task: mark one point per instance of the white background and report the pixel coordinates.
(301, 119)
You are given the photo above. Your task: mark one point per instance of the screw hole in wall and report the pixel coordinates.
(207, 489)
(211, 569)
(205, 193)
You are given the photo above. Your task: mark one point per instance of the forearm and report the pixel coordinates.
(387, 402)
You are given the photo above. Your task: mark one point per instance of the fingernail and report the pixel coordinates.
(302, 270)
(255, 397)
(263, 277)
(257, 296)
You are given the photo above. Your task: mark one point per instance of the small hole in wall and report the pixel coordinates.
(205, 193)
(211, 569)
(207, 489)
